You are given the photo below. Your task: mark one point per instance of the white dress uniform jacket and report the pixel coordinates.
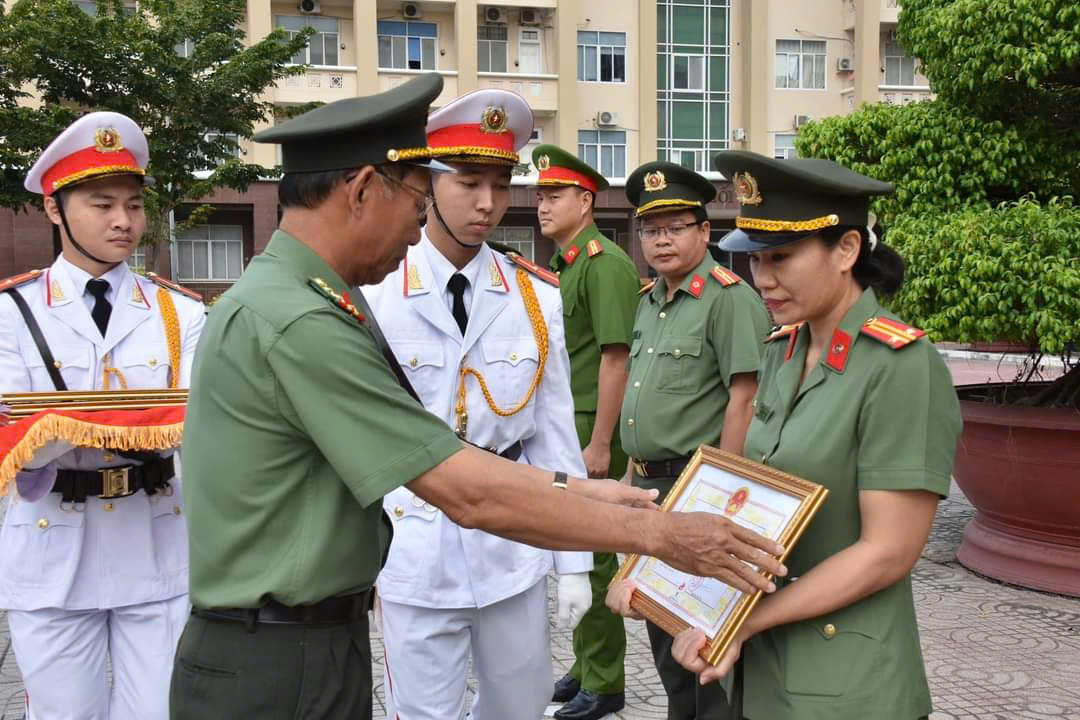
(434, 562)
(111, 553)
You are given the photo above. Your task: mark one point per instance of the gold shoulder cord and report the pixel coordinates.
(536, 318)
(172, 334)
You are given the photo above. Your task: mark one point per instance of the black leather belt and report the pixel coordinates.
(511, 453)
(115, 482)
(660, 468)
(331, 611)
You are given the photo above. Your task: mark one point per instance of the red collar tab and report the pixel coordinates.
(725, 276)
(594, 248)
(556, 175)
(570, 254)
(697, 285)
(893, 333)
(839, 347)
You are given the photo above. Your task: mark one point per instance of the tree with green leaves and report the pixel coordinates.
(985, 175)
(181, 69)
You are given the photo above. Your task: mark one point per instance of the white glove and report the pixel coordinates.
(51, 451)
(575, 597)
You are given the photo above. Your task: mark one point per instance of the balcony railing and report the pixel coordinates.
(319, 82)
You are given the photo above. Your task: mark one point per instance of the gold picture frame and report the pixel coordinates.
(775, 504)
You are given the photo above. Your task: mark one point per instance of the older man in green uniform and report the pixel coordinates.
(693, 362)
(297, 426)
(599, 285)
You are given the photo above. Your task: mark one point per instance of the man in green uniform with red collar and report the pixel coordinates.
(599, 285)
(692, 376)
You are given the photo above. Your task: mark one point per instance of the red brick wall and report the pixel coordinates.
(25, 241)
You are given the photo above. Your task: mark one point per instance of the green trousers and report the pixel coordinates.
(600, 638)
(277, 672)
(688, 699)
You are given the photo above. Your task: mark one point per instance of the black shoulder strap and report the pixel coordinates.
(39, 339)
(384, 347)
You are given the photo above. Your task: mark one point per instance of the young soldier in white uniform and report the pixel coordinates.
(481, 341)
(89, 566)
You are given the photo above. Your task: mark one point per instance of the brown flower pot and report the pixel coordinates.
(1020, 468)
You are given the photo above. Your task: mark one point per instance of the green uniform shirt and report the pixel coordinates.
(599, 294)
(295, 429)
(889, 420)
(682, 359)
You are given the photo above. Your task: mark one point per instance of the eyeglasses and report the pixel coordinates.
(428, 198)
(674, 232)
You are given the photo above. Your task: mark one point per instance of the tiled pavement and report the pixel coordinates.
(993, 651)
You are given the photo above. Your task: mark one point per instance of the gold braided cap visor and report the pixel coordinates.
(666, 204)
(464, 153)
(751, 223)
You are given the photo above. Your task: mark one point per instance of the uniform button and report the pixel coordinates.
(663, 314)
(43, 523)
(107, 507)
(152, 362)
(630, 421)
(399, 511)
(637, 383)
(649, 350)
(513, 356)
(108, 457)
(412, 363)
(677, 352)
(176, 510)
(829, 630)
(58, 364)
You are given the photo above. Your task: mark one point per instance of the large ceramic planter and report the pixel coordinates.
(1020, 468)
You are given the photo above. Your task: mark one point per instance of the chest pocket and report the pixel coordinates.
(840, 653)
(72, 360)
(678, 364)
(422, 361)
(143, 365)
(509, 367)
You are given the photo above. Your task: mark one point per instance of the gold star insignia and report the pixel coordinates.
(107, 140)
(655, 181)
(746, 189)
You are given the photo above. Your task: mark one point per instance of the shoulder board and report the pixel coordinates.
(17, 280)
(546, 275)
(158, 280)
(594, 247)
(647, 287)
(725, 276)
(893, 333)
(342, 300)
(782, 332)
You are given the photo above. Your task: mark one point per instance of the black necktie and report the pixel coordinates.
(457, 285)
(102, 307)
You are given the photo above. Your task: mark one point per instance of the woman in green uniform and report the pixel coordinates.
(853, 399)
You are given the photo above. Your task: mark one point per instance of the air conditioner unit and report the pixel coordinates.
(606, 118)
(494, 15)
(800, 120)
(309, 7)
(845, 64)
(411, 11)
(530, 16)
(738, 134)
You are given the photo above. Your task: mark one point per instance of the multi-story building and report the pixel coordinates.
(620, 81)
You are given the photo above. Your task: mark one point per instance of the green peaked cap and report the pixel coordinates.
(359, 131)
(558, 167)
(784, 200)
(662, 186)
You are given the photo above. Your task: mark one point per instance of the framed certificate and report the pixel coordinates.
(773, 504)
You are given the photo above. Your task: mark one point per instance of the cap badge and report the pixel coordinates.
(543, 163)
(655, 181)
(107, 140)
(746, 189)
(493, 120)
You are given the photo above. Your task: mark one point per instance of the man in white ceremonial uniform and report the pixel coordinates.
(94, 563)
(480, 339)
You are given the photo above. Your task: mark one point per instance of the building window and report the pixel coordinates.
(525, 166)
(407, 45)
(137, 260)
(800, 64)
(520, 240)
(604, 151)
(899, 66)
(784, 146)
(90, 7)
(233, 142)
(693, 81)
(322, 49)
(210, 252)
(529, 60)
(491, 47)
(185, 49)
(601, 57)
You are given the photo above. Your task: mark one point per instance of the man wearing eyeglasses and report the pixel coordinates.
(692, 372)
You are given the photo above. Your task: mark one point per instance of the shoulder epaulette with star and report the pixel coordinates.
(782, 332)
(158, 280)
(546, 275)
(341, 300)
(647, 287)
(893, 333)
(21, 279)
(594, 248)
(725, 276)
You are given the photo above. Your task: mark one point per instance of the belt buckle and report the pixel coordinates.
(114, 482)
(639, 467)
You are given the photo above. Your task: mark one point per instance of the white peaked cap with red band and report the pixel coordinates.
(96, 145)
(481, 126)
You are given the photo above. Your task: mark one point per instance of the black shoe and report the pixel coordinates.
(566, 689)
(590, 706)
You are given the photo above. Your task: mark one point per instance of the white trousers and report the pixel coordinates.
(61, 655)
(427, 658)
